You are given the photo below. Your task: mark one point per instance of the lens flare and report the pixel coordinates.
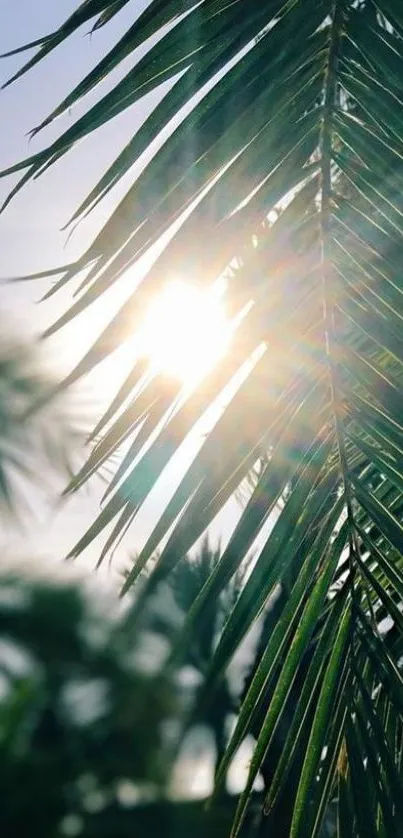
(185, 331)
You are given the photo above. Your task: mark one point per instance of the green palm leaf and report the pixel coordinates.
(280, 143)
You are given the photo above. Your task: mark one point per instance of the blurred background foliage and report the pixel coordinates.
(40, 437)
(80, 721)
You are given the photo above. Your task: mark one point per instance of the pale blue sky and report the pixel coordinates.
(30, 237)
(42, 209)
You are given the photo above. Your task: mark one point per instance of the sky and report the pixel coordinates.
(31, 238)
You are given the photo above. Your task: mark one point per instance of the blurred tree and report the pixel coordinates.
(79, 719)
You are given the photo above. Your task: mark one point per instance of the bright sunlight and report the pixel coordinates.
(185, 331)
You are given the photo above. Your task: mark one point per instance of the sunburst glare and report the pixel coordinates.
(185, 331)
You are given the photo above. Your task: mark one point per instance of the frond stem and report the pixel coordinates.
(330, 102)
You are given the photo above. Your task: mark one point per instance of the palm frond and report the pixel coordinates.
(283, 149)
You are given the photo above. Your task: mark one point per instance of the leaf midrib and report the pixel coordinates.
(329, 303)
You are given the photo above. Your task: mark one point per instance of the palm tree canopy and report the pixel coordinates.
(281, 169)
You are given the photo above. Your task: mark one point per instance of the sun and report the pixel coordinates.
(185, 331)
